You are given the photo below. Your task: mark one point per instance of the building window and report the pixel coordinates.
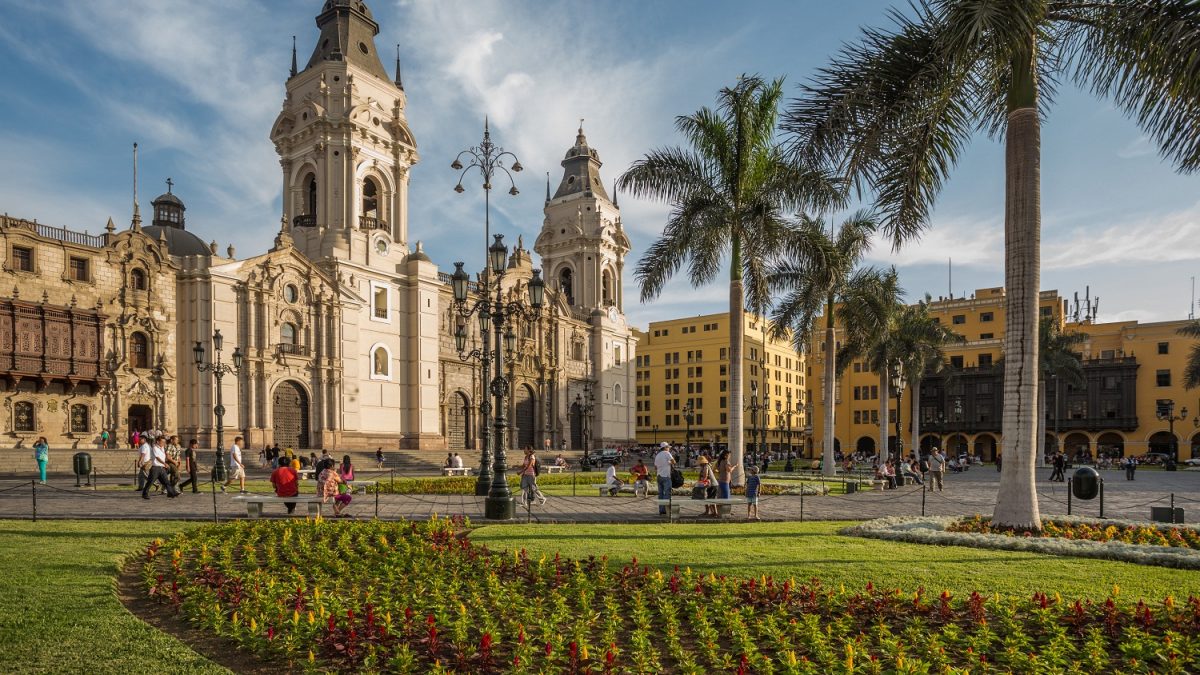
(724, 419)
(1162, 378)
(1111, 382)
(577, 350)
(139, 351)
(287, 337)
(874, 392)
(724, 353)
(699, 387)
(858, 417)
(79, 269)
(290, 293)
(379, 302)
(667, 389)
(381, 363)
(986, 336)
(985, 360)
(1045, 311)
(616, 393)
(874, 417)
(22, 259)
(1110, 408)
(617, 355)
(985, 316)
(699, 418)
(1107, 354)
(857, 367)
(958, 319)
(1077, 409)
(23, 418)
(956, 362)
(1164, 347)
(137, 279)
(79, 419)
(724, 385)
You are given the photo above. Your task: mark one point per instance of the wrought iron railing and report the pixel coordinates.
(304, 221)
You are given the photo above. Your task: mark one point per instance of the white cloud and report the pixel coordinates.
(1138, 147)
(1155, 238)
(964, 239)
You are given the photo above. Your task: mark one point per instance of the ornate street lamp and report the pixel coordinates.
(689, 414)
(489, 159)
(898, 383)
(587, 406)
(1166, 412)
(219, 370)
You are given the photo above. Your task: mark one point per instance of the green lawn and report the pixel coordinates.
(805, 550)
(61, 609)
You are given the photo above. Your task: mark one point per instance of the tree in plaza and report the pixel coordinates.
(871, 311)
(894, 111)
(729, 193)
(1058, 359)
(1191, 370)
(816, 285)
(919, 343)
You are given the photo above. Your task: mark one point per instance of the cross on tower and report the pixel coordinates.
(170, 184)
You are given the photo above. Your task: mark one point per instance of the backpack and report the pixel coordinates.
(537, 466)
(676, 478)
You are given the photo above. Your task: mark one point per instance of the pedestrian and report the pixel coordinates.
(346, 470)
(1059, 463)
(174, 460)
(1130, 467)
(189, 464)
(237, 468)
(104, 438)
(135, 440)
(286, 482)
(998, 458)
(158, 469)
(332, 487)
(528, 473)
(41, 454)
(707, 481)
(142, 463)
(752, 483)
(724, 474)
(663, 461)
(379, 458)
(937, 467)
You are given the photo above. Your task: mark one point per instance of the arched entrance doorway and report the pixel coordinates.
(956, 445)
(289, 415)
(1077, 443)
(1160, 442)
(524, 418)
(456, 421)
(928, 443)
(1196, 446)
(576, 427)
(140, 417)
(1110, 444)
(1051, 444)
(865, 446)
(985, 447)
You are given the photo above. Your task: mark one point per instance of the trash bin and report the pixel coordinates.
(1085, 483)
(81, 464)
(851, 487)
(1162, 514)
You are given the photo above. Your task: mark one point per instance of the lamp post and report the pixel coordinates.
(489, 159)
(654, 428)
(501, 316)
(898, 383)
(807, 432)
(219, 369)
(586, 407)
(1166, 412)
(754, 407)
(689, 414)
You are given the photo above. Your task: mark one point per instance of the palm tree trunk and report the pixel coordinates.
(1016, 500)
(827, 461)
(884, 404)
(736, 363)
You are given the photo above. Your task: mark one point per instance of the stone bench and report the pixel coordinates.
(724, 505)
(254, 503)
(456, 470)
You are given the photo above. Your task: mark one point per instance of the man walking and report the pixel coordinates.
(189, 464)
(663, 461)
(158, 470)
(1059, 463)
(937, 467)
(237, 469)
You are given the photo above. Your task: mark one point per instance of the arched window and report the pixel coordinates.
(139, 351)
(381, 363)
(310, 201)
(606, 288)
(287, 334)
(370, 203)
(616, 393)
(23, 419)
(137, 279)
(566, 284)
(79, 419)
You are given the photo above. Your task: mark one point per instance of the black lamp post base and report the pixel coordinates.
(483, 485)
(499, 508)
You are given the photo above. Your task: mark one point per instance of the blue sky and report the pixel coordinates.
(197, 85)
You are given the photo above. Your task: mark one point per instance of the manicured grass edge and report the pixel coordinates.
(932, 530)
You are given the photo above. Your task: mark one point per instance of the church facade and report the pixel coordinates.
(345, 324)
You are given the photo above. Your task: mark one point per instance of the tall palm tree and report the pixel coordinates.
(894, 111)
(815, 285)
(920, 342)
(1191, 371)
(871, 313)
(1058, 359)
(728, 192)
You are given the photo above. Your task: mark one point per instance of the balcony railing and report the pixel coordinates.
(291, 350)
(56, 233)
(304, 221)
(381, 313)
(369, 223)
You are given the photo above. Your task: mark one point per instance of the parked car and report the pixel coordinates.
(604, 457)
(1154, 458)
(1195, 461)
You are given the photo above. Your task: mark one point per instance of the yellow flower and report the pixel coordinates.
(311, 619)
(583, 652)
(1116, 590)
(311, 657)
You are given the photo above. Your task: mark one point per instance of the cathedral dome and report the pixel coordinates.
(169, 224)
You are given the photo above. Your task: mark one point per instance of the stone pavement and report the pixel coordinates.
(965, 494)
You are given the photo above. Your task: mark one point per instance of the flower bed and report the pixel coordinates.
(456, 485)
(1142, 534)
(409, 597)
(1109, 539)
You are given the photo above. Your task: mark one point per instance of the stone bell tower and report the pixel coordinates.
(344, 144)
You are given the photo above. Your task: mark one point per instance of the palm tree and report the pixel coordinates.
(920, 343)
(871, 313)
(894, 111)
(728, 194)
(814, 286)
(1057, 359)
(1191, 371)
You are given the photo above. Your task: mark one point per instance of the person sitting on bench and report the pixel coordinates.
(287, 484)
(610, 479)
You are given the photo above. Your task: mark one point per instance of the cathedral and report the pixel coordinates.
(345, 325)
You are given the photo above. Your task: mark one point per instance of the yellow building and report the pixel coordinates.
(1129, 369)
(685, 362)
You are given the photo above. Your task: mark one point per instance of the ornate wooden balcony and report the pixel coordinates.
(46, 343)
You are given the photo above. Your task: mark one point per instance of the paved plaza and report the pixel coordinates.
(965, 494)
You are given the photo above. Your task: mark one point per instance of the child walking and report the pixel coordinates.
(752, 482)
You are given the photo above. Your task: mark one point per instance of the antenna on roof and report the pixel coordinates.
(950, 276)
